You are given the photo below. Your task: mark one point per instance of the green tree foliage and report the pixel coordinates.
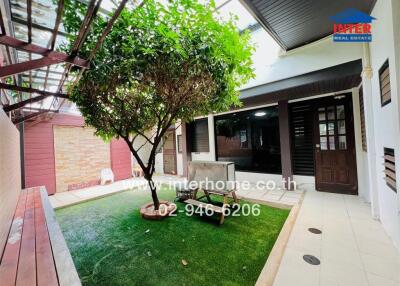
(161, 62)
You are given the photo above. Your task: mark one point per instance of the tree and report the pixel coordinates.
(160, 63)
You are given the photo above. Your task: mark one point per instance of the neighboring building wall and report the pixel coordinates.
(79, 157)
(40, 159)
(385, 46)
(39, 150)
(10, 174)
(121, 163)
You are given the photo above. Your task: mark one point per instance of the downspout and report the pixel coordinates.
(367, 74)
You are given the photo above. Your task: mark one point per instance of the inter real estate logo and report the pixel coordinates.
(352, 25)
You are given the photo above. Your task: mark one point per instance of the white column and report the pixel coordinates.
(369, 126)
(211, 137)
(362, 175)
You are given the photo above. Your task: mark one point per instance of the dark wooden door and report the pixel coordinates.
(335, 160)
(169, 153)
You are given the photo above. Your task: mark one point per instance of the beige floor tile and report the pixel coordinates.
(303, 240)
(54, 202)
(242, 192)
(336, 240)
(292, 195)
(255, 194)
(338, 228)
(326, 280)
(310, 220)
(276, 192)
(270, 197)
(378, 236)
(386, 268)
(384, 250)
(89, 194)
(289, 201)
(340, 255)
(360, 214)
(375, 280)
(295, 271)
(342, 274)
(311, 210)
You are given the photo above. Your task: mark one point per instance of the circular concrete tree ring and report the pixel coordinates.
(166, 208)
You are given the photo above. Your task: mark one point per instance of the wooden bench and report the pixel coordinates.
(206, 206)
(36, 252)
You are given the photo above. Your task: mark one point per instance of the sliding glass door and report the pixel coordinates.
(250, 139)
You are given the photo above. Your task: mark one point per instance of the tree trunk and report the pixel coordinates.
(154, 196)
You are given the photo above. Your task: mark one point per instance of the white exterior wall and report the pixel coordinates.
(385, 45)
(144, 154)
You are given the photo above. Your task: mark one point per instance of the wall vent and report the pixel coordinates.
(384, 83)
(390, 168)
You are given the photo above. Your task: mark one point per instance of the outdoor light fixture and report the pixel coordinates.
(260, 113)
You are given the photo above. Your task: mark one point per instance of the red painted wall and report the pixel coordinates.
(120, 159)
(40, 159)
(39, 150)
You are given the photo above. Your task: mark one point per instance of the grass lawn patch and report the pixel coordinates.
(112, 245)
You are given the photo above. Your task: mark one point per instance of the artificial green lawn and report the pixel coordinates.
(112, 245)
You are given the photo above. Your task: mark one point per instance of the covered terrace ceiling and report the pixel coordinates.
(294, 23)
(334, 79)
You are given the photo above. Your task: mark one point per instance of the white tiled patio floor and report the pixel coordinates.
(353, 248)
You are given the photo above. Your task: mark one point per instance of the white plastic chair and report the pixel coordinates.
(107, 175)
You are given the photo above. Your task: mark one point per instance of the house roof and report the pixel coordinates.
(333, 79)
(294, 23)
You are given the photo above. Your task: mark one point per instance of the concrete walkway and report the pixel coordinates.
(63, 199)
(353, 248)
(278, 196)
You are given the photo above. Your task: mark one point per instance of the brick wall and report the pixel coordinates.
(79, 157)
(10, 174)
(39, 150)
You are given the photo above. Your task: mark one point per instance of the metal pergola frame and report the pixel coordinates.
(42, 58)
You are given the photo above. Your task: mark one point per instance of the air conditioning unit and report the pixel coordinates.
(212, 176)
